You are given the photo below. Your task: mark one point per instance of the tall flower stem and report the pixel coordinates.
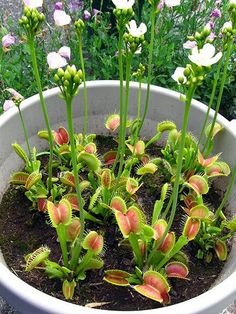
(61, 233)
(210, 102)
(150, 57)
(126, 107)
(77, 249)
(222, 85)
(85, 88)
(43, 106)
(189, 97)
(25, 132)
(121, 74)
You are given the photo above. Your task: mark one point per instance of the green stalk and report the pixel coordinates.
(61, 233)
(120, 44)
(228, 54)
(227, 194)
(210, 103)
(25, 132)
(77, 249)
(126, 107)
(150, 57)
(43, 107)
(87, 257)
(189, 98)
(133, 240)
(85, 88)
(101, 5)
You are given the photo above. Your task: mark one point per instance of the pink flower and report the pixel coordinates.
(14, 94)
(33, 3)
(211, 37)
(8, 104)
(86, 15)
(58, 6)
(216, 13)
(61, 18)
(210, 25)
(64, 52)
(58, 60)
(96, 12)
(189, 44)
(8, 40)
(55, 60)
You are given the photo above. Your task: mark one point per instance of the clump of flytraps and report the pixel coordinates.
(187, 166)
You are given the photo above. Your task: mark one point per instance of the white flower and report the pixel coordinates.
(123, 4)
(64, 52)
(179, 73)
(55, 60)
(172, 3)
(227, 26)
(232, 2)
(8, 104)
(61, 18)
(136, 31)
(206, 56)
(14, 94)
(33, 3)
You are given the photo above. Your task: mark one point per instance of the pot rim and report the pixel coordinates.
(221, 293)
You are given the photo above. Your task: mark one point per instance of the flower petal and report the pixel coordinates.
(55, 60)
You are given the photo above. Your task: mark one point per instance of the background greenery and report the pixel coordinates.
(100, 46)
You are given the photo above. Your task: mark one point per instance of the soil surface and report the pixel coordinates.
(22, 230)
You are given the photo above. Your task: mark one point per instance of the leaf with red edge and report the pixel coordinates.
(154, 287)
(218, 169)
(177, 270)
(68, 179)
(72, 198)
(19, 178)
(90, 148)
(113, 122)
(117, 203)
(168, 243)
(73, 229)
(106, 178)
(32, 179)
(109, 158)
(42, 204)
(138, 149)
(199, 211)
(61, 136)
(206, 162)
(198, 184)
(117, 277)
(60, 214)
(159, 228)
(93, 242)
(191, 228)
(132, 186)
(129, 222)
(221, 250)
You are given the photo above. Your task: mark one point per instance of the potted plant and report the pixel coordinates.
(73, 188)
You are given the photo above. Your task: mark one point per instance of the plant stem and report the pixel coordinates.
(121, 74)
(227, 194)
(150, 57)
(85, 88)
(25, 132)
(133, 240)
(62, 239)
(222, 85)
(43, 106)
(77, 249)
(87, 257)
(126, 107)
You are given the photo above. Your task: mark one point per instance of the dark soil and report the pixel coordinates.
(23, 230)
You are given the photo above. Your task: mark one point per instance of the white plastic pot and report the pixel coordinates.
(104, 99)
